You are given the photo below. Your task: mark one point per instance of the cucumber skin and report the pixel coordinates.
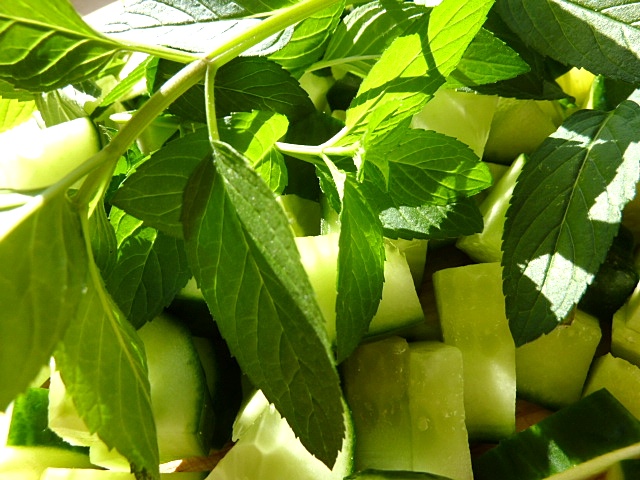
(593, 427)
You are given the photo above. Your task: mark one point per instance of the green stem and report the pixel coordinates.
(296, 150)
(177, 86)
(210, 103)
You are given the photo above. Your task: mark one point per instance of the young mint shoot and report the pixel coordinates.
(100, 252)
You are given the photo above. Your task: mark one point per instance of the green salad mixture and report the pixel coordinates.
(170, 134)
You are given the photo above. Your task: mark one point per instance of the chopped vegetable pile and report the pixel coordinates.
(344, 239)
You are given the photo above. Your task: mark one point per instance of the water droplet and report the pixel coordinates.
(423, 423)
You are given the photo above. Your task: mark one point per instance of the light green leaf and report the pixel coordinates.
(103, 366)
(243, 255)
(565, 211)
(487, 60)
(151, 267)
(309, 39)
(361, 257)
(365, 32)
(413, 67)
(41, 282)
(48, 48)
(153, 193)
(14, 112)
(601, 36)
(426, 167)
(254, 135)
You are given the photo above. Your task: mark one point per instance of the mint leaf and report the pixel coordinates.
(48, 48)
(309, 39)
(14, 112)
(414, 66)
(565, 211)
(602, 37)
(487, 60)
(102, 364)
(151, 267)
(153, 192)
(194, 27)
(244, 258)
(41, 282)
(242, 85)
(432, 221)
(256, 83)
(360, 269)
(255, 135)
(365, 32)
(426, 167)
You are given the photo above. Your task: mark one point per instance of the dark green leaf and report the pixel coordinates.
(103, 240)
(242, 85)
(602, 36)
(244, 257)
(432, 221)
(151, 268)
(102, 364)
(309, 39)
(360, 269)
(41, 280)
(48, 48)
(254, 135)
(154, 192)
(256, 83)
(565, 211)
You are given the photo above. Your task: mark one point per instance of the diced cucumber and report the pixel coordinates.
(30, 422)
(266, 448)
(34, 158)
(303, 214)
(179, 396)
(394, 475)
(472, 315)
(28, 463)
(415, 251)
(620, 377)
(400, 305)
(551, 370)
(625, 341)
(624, 470)
(486, 246)
(401, 423)
(577, 442)
(95, 474)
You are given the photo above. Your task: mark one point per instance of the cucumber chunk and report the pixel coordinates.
(486, 246)
(179, 396)
(576, 442)
(394, 475)
(472, 315)
(619, 377)
(94, 474)
(28, 463)
(34, 158)
(399, 307)
(625, 334)
(266, 448)
(552, 369)
(399, 423)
